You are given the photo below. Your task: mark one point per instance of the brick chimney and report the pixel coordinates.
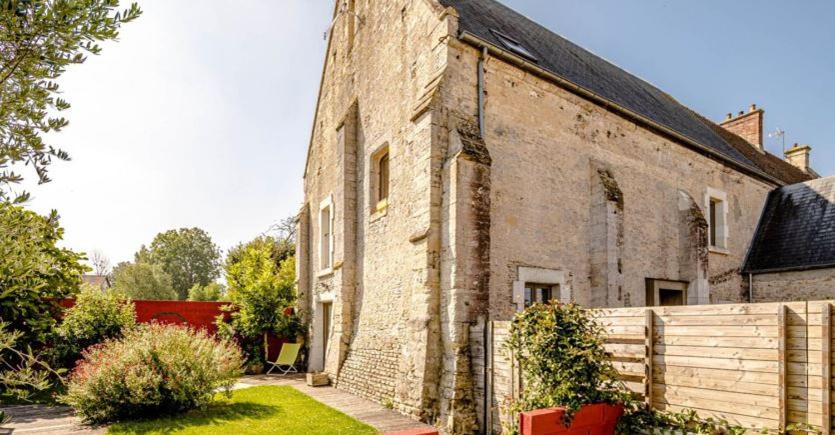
(748, 126)
(798, 156)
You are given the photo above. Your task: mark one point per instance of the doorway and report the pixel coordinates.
(666, 293)
(326, 330)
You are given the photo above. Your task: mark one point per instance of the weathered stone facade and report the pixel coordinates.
(545, 185)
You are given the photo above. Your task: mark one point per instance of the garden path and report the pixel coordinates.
(59, 420)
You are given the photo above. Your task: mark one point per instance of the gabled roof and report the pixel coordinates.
(797, 229)
(494, 23)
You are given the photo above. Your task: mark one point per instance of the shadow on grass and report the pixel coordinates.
(215, 414)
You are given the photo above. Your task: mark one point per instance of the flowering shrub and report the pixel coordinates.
(153, 369)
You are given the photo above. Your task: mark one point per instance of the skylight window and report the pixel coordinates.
(514, 46)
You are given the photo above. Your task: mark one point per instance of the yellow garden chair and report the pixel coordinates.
(286, 361)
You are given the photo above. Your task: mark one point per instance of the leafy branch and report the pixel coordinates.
(38, 40)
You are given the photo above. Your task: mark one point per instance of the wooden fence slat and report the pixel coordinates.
(782, 370)
(649, 333)
(826, 368)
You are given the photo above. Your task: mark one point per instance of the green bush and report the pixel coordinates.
(153, 369)
(95, 317)
(560, 351)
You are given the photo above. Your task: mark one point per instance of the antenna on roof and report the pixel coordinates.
(781, 134)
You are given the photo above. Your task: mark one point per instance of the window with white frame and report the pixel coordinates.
(716, 205)
(326, 235)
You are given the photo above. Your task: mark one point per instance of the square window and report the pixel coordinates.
(540, 293)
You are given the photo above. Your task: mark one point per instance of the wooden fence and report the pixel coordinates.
(757, 365)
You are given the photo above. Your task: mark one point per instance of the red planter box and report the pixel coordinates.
(598, 419)
(414, 432)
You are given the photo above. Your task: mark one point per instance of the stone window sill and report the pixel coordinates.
(380, 212)
(325, 272)
(718, 250)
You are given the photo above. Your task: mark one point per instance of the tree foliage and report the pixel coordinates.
(262, 291)
(34, 272)
(38, 40)
(207, 293)
(142, 281)
(22, 373)
(187, 255)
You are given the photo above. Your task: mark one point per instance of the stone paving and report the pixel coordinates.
(59, 420)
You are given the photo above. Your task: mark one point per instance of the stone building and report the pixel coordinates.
(792, 256)
(465, 161)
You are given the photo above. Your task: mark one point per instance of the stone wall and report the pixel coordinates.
(794, 286)
(381, 59)
(545, 141)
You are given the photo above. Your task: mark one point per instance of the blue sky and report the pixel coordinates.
(200, 116)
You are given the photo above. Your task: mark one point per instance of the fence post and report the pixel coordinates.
(826, 368)
(782, 356)
(648, 341)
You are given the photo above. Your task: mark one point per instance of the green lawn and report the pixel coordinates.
(256, 410)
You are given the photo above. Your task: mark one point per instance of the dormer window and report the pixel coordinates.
(514, 46)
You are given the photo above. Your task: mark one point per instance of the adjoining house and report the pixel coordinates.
(792, 255)
(466, 162)
(96, 281)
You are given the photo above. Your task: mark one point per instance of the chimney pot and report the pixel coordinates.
(730, 115)
(753, 107)
(741, 113)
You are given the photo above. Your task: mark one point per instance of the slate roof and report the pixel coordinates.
(797, 228)
(557, 55)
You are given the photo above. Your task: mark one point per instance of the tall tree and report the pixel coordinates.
(188, 255)
(261, 290)
(143, 281)
(38, 40)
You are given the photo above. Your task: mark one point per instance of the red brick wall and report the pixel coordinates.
(200, 315)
